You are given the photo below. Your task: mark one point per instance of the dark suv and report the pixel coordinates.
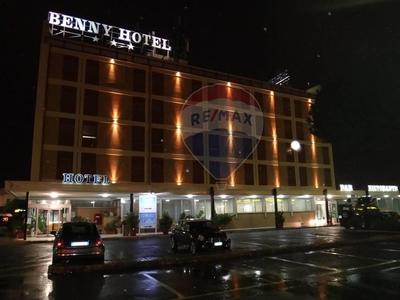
(198, 234)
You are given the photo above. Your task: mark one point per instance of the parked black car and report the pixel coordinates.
(77, 240)
(199, 234)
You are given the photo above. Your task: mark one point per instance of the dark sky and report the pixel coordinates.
(311, 38)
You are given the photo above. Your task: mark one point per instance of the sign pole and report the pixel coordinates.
(212, 203)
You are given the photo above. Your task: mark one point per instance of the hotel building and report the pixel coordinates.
(108, 130)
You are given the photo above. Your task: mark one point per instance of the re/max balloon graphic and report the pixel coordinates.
(221, 126)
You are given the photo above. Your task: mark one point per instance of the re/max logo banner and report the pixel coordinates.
(221, 115)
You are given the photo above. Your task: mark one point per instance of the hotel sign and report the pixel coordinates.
(86, 30)
(85, 178)
(383, 188)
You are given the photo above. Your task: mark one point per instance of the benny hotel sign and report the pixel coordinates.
(82, 29)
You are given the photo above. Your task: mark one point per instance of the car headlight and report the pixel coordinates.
(201, 238)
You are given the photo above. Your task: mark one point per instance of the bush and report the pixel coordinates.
(222, 219)
(165, 221)
(78, 219)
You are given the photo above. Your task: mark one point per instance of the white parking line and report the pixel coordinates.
(304, 264)
(353, 256)
(179, 295)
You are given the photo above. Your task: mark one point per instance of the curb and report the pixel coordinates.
(159, 262)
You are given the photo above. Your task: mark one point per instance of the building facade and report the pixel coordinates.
(108, 130)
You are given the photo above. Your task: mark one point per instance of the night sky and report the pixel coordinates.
(313, 39)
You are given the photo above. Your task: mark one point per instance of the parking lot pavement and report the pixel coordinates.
(274, 242)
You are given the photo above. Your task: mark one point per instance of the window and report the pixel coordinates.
(157, 170)
(302, 204)
(138, 140)
(91, 103)
(157, 112)
(198, 172)
(291, 176)
(89, 134)
(303, 176)
(138, 109)
(298, 109)
(396, 204)
(158, 84)
(248, 174)
(282, 204)
(92, 72)
(286, 107)
(261, 151)
(300, 131)
(223, 206)
(70, 68)
(88, 163)
(325, 155)
(262, 175)
(68, 99)
(327, 175)
(139, 80)
(288, 129)
(64, 163)
(249, 205)
(137, 169)
(157, 140)
(302, 154)
(66, 132)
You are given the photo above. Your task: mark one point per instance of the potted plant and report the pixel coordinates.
(165, 222)
(111, 227)
(280, 219)
(132, 221)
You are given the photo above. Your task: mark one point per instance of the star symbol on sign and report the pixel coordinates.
(130, 47)
(113, 43)
(95, 39)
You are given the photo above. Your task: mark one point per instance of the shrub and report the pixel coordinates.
(222, 219)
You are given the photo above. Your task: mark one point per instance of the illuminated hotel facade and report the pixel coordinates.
(105, 110)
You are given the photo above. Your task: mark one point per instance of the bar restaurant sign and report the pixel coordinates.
(91, 31)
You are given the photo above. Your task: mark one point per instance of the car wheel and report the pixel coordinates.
(193, 247)
(174, 245)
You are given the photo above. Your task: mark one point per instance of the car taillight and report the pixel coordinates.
(60, 244)
(99, 242)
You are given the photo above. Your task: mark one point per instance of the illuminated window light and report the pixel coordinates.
(386, 196)
(105, 195)
(166, 200)
(228, 84)
(190, 196)
(329, 196)
(178, 74)
(271, 93)
(53, 195)
(112, 61)
(223, 196)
